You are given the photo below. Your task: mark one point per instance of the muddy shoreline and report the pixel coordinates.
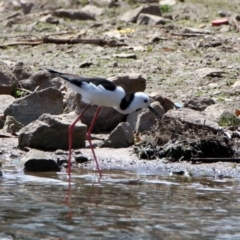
(128, 161)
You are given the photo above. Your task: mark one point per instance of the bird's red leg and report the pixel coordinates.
(70, 136)
(90, 142)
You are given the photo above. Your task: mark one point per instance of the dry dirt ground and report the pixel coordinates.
(170, 64)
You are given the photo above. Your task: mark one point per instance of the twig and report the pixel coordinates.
(24, 90)
(215, 159)
(189, 34)
(100, 42)
(33, 43)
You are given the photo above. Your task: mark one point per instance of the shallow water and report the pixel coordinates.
(123, 205)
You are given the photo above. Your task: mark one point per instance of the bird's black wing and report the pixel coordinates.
(78, 80)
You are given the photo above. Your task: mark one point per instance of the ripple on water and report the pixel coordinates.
(121, 205)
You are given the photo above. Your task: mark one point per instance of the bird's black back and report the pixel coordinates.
(78, 80)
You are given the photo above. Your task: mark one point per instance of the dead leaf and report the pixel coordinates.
(237, 112)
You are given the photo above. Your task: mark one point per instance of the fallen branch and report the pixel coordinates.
(215, 159)
(100, 42)
(31, 43)
(188, 34)
(46, 39)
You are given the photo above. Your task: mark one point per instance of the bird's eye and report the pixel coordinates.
(145, 100)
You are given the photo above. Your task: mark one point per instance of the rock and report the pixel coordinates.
(149, 19)
(1, 123)
(125, 55)
(132, 119)
(31, 107)
(49, 19)
(107, 119)
(26, 6)
(221, 114)
(38, 161)
(120, 137)
(7, 79)
(109, 3)
(92, 10)
(211, 147)
(85, 64)
(11, 125)
(167, 2)
(166, 103)
(50, 132)
(203, 72)
(131, 83)
(41, 80)
(72, 14)
(5, 101)
(199, 103)
(146, 119)
(132, 15)
(193, 118)
(236, 84)
(195, 31)
(21, 71)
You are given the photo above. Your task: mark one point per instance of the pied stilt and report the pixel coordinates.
(103, 93)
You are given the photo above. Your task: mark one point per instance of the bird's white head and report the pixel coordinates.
(139, 100)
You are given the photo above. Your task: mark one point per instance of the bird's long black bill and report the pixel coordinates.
(155, 112)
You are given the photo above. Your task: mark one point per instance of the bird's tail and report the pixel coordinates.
(56, 73)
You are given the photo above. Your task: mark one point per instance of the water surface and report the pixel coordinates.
(123, 205)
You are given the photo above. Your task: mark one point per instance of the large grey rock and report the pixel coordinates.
(199, 103)
(41, 80)
(104, 3)
(21, 71)
(121, 137)
(50, 132)
(5, 101)
(107, 119)
(7, 79)
(146, 119)
(166, 103)
(132, 82)
(72, 14)
(148, 19)
(132, 118)
(31, 107)
(192, 117)
(92, 10)
(222, 115)
(1, 123)
(11, 125)
(38, 161)
(132, 15)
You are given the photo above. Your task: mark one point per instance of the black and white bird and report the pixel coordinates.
(103, 93)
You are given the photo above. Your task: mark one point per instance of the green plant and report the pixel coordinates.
(230, 82)
(220, 99)
(17, 93)
(199, 93)
(150, 48)
(165, 8)
(228, 119)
